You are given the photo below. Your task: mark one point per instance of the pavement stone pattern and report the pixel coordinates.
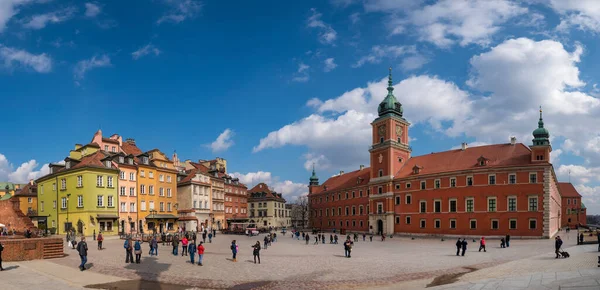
(291, 264)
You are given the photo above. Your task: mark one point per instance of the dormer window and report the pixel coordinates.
(145, 160)
(130, 161)
(68, 164)
(108, 163)
(416, 169)
(121, 159)
(482, 161)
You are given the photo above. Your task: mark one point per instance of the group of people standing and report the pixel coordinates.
(461, 245)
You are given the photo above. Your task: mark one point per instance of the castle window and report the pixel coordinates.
(512, 178)
(492, 179)
(532, 224)
(422, 206)
(407, 220)
(494, 224)
(491, 204)
(438, 183)
(452, 182)
(452, 223)
(512, 224)
(422, 223)
(380, 172)
(437, 223)
(452, 205)
(399, 141)
(437, 206)
(397, 220)
(532, 177)
(473, 224)
(408, 199)
(381, 140)
(408, 185)
(397, 200)
(397, 186)
(380, 190)
(422, 185)
(482, 163)
(469, 180)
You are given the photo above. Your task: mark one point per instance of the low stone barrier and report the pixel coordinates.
(21, 249)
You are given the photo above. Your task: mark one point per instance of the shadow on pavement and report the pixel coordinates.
(11, 268)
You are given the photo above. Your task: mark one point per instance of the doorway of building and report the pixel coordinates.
(80, 227)
(379, 227)
(122, 227)
(162, 227)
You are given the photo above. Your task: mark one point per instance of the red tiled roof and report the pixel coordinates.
(568, 190)
(25, 190)
(110, 140)
(92, 160)
(498, 155)
(258, 188)
(346, 180)
(130, 148)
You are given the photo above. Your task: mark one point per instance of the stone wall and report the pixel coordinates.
(12, 217)
(20, 249)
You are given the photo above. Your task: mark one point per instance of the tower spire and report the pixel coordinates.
(390, 87)
(314, 180)
(541, 121)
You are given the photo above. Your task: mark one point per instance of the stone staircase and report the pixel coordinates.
(53, 250)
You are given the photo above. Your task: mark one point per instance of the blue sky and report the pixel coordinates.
(276, 86)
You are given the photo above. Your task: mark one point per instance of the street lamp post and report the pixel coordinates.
(130, 228)
(153, 212)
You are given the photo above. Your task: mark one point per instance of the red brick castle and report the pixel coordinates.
(489, 190)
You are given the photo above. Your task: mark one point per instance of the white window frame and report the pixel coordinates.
(80, 201)
(537, 204)
(422, 223)
(63, 202)
(378, 205)
(437, 223)
(132, 191)
(79, 181)
(131, 176)
(533, 174)
(122, 190)
(110, 201)
(512, 174)
(161, 178)
(467, 180)
(397, 220)
(109, 181)
(123, 207)
(63, 183)
(495, 203)
(151, 189)
(142, 173)
(450, 205)
(143, 205)
(421, 202)
(490, 179)
(470, 221)
(508, 198)
(161, 191)
(423, 185)
(434, 202)
(169, 178)
(99, 180)
(529, 224)
(150, 174)
(151, 205)
(452, 181)
(467, 204)
(122, 175)
(437, 184)
(397, 199)
(492, 224)
(132, 207)
(516, 224)
(407, 197)
(450, 224)
(408, 185)
(100, 200)
(407, 220)
(168, 192)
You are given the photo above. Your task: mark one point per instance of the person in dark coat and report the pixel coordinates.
(502, 243)
(307, 238)
(256, 251)
(464, 246)
(458, 246)
(1, 249)
(557, 244)
(581, 239)
(82, 250)
(507, 239)
(204, 237)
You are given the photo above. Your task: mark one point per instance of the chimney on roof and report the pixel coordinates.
(463, 146)
(513, 140)
(130, 141)
(30, 181)
(341, 172)
(362, 167)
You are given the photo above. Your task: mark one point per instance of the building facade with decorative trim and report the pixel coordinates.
(491, 190)
(267, 208)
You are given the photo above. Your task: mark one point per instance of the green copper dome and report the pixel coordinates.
(390, 104)
(541, 135)
(314, 180)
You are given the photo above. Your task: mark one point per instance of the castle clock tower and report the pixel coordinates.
(389, 153)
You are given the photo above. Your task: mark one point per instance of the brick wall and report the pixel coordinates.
(12, 217)
(25, 249)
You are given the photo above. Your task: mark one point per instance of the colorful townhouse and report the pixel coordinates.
(28, 199)
(195, 199)
(81, 194)
(236, 200)
(267, 208)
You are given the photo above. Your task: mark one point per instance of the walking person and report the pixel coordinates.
(192, 251)
(482, 244)
(234, 250)
(464, 246)
(210, 238)
(371, 237)
(335, 239)
(557, 244)
(138, 251)
(502, 243)
(204, 236)
(348, 247)
(581, 239)
(200, 253)
(128, 251)
(82, 249)
(154, 246)
(256, 251)
(184, 246)
(266, 241)
(1, 249)
(307, 238)
(331, 239)
(458, 246)
(323, 238)
(364, 237)
(507, 239)
(175, 244)
(100, 238)
(316, 240)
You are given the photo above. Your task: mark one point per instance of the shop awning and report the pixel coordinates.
(107, 216)
(161, 216)
(188, 218)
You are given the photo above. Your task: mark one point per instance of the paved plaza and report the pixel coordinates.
(291, 264)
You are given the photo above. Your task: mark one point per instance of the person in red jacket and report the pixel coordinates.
(482, 244)
(200, 253)
(100, 238)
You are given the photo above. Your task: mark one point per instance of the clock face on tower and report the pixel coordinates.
(382, 130)
(399, 131)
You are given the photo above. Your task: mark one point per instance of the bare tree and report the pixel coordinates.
(300, 212)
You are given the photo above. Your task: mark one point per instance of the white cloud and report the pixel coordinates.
(555, 156)
(84, 66)
(11, 57)
(92, 9)
(591, 197)
(354, 17)
(180, 10)
(10, 8)
(342, 3)
(329, 64)
(145, 50)
(223, 142)
(319, 162)
(469, 145)
(390, 52)
(413, 62)
(446, 22)
(23, 173)
(289, 189)
(301, 74)
(41, 20)
(580, 14)
(327, 34)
